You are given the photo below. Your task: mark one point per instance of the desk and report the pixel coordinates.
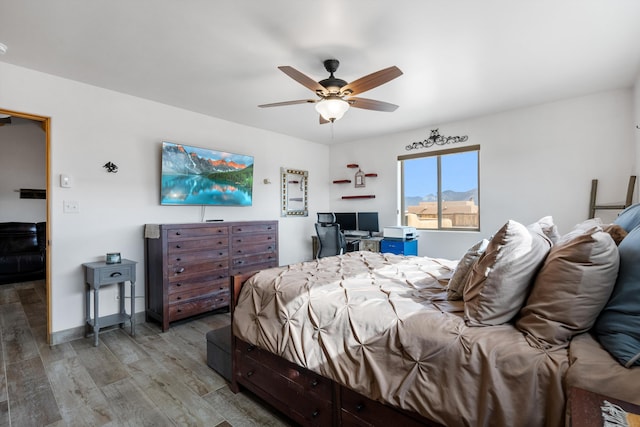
(100, 274)
(353, 244)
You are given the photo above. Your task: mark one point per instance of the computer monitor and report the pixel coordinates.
(347, 221)
(368, 221)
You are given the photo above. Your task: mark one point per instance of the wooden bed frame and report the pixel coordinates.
(304, 396)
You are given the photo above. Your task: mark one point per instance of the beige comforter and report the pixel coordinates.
(380, 324)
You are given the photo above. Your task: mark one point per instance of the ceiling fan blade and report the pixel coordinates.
(322, 120)
(280, 104)
(371, 104)
(303, 79)
(370, 81)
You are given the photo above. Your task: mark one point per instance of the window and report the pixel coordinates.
(440, 189)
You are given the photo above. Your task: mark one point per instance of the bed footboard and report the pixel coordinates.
(304, 396)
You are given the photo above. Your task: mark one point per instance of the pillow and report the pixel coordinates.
(459, 277)
(499, 282)
(571, 288)
(629, 218)
(618, 327)
(549, 228)
(617, 233)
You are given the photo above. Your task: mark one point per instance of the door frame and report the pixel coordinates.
(45, 123)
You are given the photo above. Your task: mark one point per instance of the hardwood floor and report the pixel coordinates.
(154, 378)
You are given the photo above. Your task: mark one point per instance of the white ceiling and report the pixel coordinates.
(460, 58)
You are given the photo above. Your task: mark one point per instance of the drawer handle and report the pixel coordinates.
(178, 284)
(221, 276)
(220, 230)
(250, 373)
(180, 270)
(269, 238)
(179, 310)
(269, 227)
(116, 274)
(239, 262)
(314, 383)
(221, 288)
(179, 298)
(178, 259)
(360, 407)
(177, 233)
(239, 251)
(315, 414)
(239, 230)
(238, 240)
(251, 348)
(178, 246)
(270, 248)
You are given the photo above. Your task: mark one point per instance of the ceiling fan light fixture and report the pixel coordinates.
(332, 108)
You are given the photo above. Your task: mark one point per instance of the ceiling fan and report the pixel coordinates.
(335, 96)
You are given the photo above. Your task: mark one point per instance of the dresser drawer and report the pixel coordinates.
(252, 228)
(181, 310)
(195, 232)
(222, 287)
(203, 285)
(242, 239)
(214, 269)
(212, 244)
(253, 248)
(182, 258)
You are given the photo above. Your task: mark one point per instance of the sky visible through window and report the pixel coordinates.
(459, 173)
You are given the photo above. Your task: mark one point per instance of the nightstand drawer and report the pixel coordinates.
(109, 274)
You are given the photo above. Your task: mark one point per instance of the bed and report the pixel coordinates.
(370, 339)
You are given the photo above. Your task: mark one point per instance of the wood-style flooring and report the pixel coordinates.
(152, 379)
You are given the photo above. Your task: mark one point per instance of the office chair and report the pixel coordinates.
(331, 241)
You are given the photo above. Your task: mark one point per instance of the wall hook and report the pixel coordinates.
(110, 167)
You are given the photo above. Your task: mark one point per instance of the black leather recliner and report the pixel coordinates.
(22, 251)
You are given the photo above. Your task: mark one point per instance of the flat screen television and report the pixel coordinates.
(368, 221)
(347, 220)
(201, 176)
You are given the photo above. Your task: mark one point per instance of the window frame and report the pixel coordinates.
(438, 154)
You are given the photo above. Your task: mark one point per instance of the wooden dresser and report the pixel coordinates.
(188, 265)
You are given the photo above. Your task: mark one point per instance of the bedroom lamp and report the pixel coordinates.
(332, 108)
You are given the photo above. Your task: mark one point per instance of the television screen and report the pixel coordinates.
(368, 221)
(200, 176)
(347, 220)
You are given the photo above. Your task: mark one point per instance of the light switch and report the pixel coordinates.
(65, 181)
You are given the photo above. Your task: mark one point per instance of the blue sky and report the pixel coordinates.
(459, 173)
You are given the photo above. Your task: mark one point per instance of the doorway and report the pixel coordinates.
(45, 124)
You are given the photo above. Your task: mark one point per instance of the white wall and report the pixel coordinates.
(534, 162)
(91, 126)
(22, 165)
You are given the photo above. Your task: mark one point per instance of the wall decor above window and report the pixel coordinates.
(436, 139)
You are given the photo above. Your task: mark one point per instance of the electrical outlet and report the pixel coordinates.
(117, 296)
(71, 206)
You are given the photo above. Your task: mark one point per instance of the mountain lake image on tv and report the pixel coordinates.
(200, 176)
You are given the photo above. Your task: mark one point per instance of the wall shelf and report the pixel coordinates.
(365, 196)
(370, 175)
(342, 181)
(353, 165)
